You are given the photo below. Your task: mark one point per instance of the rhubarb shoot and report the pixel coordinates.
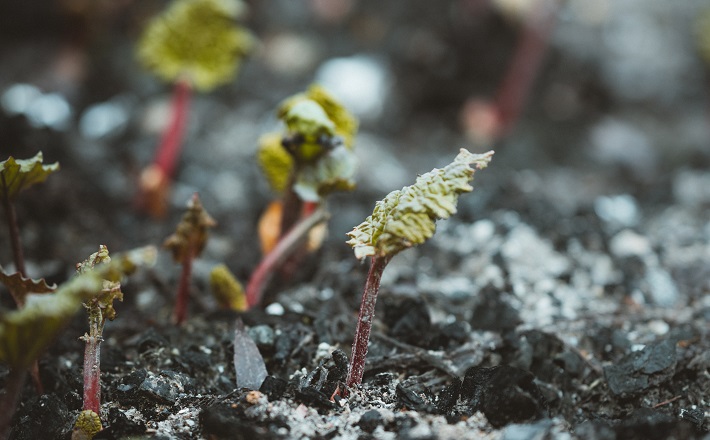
(403, 219)
(100, 308)
(194, 44)
(186, 244)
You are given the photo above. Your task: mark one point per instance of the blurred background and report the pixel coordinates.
(590, 105)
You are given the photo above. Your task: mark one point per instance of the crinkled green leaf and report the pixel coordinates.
(191, 233)
(274, 160)
(406, 217)
(100, 306)
(335, 171)
(345, 123)
(25, 333)
(197, 40)
(20, 286)
(16, 175)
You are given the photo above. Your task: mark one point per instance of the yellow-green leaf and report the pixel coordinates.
(197, 40)
(20, 286)
(346, 124)
(17, 175)
(407, 217)
(227, 290)
(274, 160)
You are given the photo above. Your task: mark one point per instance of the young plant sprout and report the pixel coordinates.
(194, 44)
(15, 176)
(186, 244)
(26, 332)
(311, 160)
(100, 308)
(404, 218)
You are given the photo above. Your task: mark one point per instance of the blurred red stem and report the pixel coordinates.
(364, 320)
(524, 66)
(286, 246)
(168, 152)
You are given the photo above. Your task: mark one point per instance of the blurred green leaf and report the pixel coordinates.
(274, 160)
(26, 332)
(17, 175)
(196, 40)
(335, 171)
(20, 286)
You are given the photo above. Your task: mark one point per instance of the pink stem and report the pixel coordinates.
(364, 320)
(169, 149)
(526, 61)
(183, 296)
(288, 244)
(92, 371)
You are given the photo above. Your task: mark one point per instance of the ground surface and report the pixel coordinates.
(568, 298)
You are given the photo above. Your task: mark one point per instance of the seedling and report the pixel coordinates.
(100, 308)
(311, 160)
(404, 218)
(194, 44)
(186, 244)
(15, 176)
(26, 332)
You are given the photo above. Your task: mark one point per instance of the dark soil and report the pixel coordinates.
(568, 297)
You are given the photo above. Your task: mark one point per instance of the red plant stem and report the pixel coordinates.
(14, 230)
(8, 404)
(308, 208)
(283, 249)
(168, 152)
(525, 64)
(183, 295)
(92, 371)
(364, 320)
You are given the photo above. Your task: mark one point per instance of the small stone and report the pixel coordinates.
(641, 369)
(628, 243)
(262, 335)
(255, 398)
(620, 211)
(275, 309)
(273, 387)
(370, 420)
(505, 394)
(165, 387)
